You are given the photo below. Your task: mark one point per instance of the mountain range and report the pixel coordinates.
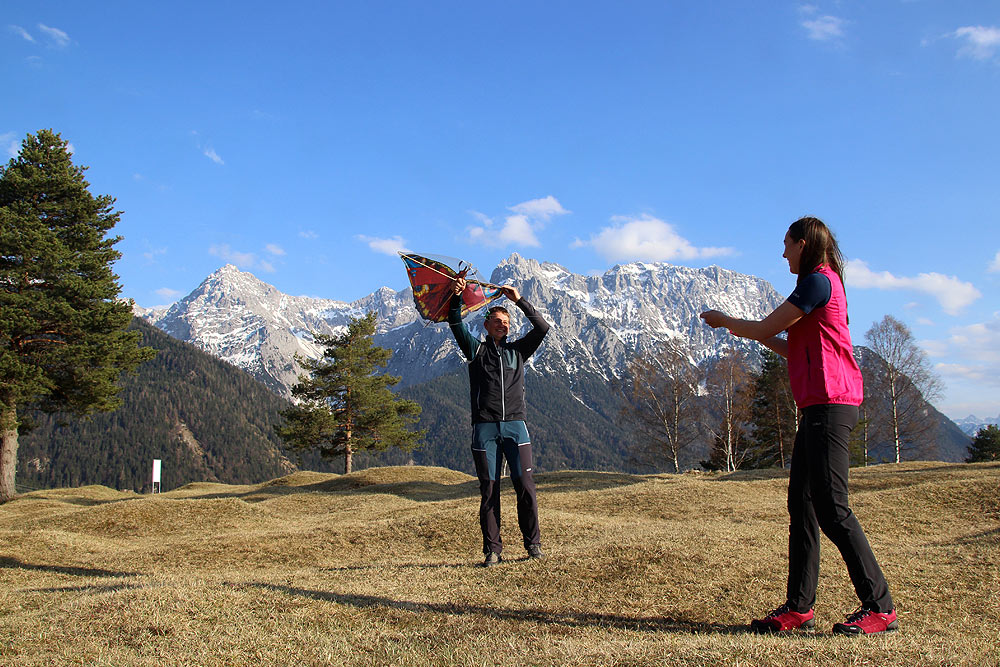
(599, 323)
(970, 425)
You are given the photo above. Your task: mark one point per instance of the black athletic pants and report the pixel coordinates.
(492, 443)
(817, 500)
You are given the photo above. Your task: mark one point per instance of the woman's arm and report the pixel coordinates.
(765, 331)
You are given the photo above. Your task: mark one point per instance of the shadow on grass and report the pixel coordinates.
(753, 475)
(402, 566)
(585, 480)
(81, 500)
(572, 619)
(108, 588)
(427, 491)
(983, 537)
(15, 564)
(417, 490)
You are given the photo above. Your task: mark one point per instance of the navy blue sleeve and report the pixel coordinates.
(812, 292)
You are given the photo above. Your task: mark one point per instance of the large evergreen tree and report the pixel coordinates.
(63, 337)
(773, 415)
(985, 446)
(345, 404)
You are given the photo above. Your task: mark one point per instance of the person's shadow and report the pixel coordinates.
(568, 618)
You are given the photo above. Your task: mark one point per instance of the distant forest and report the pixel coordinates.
(207, 420)
(203, 418)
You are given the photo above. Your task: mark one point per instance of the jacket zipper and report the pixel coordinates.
(503, 393)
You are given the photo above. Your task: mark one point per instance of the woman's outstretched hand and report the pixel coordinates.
(714, 318)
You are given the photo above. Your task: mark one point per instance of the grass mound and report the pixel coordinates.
(378, 568)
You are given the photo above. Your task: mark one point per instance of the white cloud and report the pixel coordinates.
(275, 249)
(994, 266)
(980, 42)
(21, 32)
(824, 28)
(309, 234)
(167, 293)
(645, 239)
(980, 341)
(388, 246)
(973, 351)
(951, 293)
(540, 209)
(213, 156)
(267, 266)
(969, 364)
(10, 144)
(58, 38)
(152, 253)
(244, 260)
(521, 228)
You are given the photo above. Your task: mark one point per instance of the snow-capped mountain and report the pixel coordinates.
(598, 322)
(971, 424)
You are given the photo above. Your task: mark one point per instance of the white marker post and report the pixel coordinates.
(156, 475)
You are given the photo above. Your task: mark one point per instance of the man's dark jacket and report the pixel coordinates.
(496, 371)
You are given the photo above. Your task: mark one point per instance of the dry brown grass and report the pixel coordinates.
(377, 568)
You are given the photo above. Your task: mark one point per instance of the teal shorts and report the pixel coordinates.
(492, 442)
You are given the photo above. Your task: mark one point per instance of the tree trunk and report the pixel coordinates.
(8, 452)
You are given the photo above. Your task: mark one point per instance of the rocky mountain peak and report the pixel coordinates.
(599, 323)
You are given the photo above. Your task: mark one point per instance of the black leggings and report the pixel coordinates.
(817, 500)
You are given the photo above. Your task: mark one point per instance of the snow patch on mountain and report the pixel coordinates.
(599, 323)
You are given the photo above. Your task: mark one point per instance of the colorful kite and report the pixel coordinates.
(431, 280)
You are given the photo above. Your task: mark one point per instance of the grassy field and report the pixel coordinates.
(379, 568)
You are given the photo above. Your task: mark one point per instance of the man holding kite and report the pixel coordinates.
(496, 389)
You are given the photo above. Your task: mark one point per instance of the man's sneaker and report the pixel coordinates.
(535, 551)
(492, 559)
(781, 619)
(866, 622)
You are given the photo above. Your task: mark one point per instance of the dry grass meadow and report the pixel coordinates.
(379, 568)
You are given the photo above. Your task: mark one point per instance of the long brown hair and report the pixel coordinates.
(821, 246)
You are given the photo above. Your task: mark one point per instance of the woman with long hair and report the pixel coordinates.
(827, 387)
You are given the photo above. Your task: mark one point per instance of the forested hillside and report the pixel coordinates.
(209, 421)
(571, 427)
(205, 419)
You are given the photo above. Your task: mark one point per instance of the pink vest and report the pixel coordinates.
(821, 363)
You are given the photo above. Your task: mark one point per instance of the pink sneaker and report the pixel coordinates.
(781, 619)
(867, 622)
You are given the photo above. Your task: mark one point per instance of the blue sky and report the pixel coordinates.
(306, 141)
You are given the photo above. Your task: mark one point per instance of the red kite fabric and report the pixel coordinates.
(431, 281)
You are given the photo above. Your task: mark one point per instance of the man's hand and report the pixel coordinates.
(458, 285)
(510, 292)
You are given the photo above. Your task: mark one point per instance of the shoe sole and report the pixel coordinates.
(768, 629)
(841, 629)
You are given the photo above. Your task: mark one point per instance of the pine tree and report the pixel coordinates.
(773, 415)
(63, 337)
(345, 404)
(985, 446)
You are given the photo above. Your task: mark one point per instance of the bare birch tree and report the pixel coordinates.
(901, 390)
(730, 393)
(661, 405)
